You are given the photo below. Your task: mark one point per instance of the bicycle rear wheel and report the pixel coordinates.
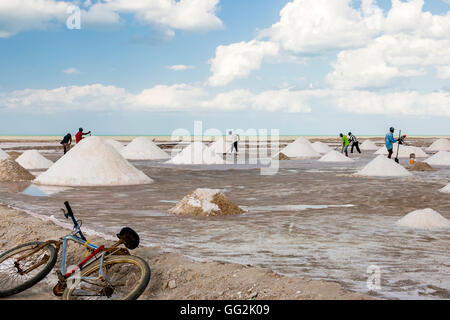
(17, 276)
(124, 278)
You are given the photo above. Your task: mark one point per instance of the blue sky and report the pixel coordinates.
(301, 66)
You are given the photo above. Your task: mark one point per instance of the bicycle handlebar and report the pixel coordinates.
(69, 209)
(70, 214)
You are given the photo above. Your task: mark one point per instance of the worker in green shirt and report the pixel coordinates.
(345, 144)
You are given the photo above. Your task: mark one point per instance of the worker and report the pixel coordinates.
(80, 134)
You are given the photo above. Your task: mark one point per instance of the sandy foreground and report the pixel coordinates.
(172, 276)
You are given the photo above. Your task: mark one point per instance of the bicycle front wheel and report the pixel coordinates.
(21, 267)
(122, 278)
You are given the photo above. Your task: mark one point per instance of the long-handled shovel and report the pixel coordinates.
(398, 146)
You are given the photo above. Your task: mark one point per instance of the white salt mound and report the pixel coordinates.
(404, 152)
(334, 156)
(442, 158)
(445, 189)
(300, 149)
(205, 202)
(321, 147)
(381, 166)
(142, 148)
(368, 145)
(116, 144)
(220, 146)
(424, 219)
(196, 153)
(303, 140)
(3, 155)
(32, 159)
(440, 145)
(92, 162)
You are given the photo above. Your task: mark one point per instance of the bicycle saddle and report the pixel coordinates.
(129, 237)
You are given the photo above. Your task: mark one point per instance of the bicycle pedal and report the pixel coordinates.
(59, 289)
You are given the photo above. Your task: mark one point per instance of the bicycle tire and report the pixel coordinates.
(137, 290)
(51, 250)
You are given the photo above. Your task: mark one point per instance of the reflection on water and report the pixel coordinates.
(323, 224)
(34, 191)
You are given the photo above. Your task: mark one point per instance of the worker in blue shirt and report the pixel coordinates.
(390, 140)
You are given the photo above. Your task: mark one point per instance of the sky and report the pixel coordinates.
(147, 67)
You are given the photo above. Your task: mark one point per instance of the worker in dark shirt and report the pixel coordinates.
(80, 135)
(354, 142)
(66, 142)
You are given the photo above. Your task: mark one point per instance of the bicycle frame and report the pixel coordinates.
(73, 236)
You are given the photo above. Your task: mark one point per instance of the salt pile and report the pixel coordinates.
(381, 166)
(302, 140)
(3, 155)
(445, 189)
(334, 156)
(404, 151)
(92, 162)
(32, 159)
(281, 156)
(205, 202)
(321, 147)
(368, 145)
(300, 148)
(221, 146)
(440, 145)
(424, 219)
(196, 153)
(142, 148)
(442, 158)
(116, 144)
(12, 171)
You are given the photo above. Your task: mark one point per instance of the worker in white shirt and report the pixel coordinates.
(235, 139)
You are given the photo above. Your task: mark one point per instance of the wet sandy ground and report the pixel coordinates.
(172, 276)
(310, 219)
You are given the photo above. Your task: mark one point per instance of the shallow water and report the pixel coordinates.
(311, 219)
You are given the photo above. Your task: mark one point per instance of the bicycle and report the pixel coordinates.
(105, 273)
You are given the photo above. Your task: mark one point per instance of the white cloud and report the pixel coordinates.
(408, 17)
(412, 40)
(376, 47)
(98, 15)
(285, 99)
(182, 15)
(20, 15)
(188, 97)
(237, 60)
(89, 97)
(159, 97)
(387, 58)
(194, 15)
(315, 25)
(178, 96)
(180, 67)
(230, 100)
(71, 71)
(305, 26)
(400, 103)
(444, 72)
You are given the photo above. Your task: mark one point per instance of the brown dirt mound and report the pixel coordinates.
(282, 156)
(225, 205)
(12, 171)
(421, 166)
(14, 154)
(193, 205)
